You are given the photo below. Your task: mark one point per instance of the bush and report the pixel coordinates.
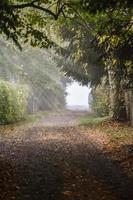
(100, 102)
(13, 102)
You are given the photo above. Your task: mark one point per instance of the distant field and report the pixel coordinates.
(78, 107)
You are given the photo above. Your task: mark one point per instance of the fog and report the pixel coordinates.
(32, 76)
(77, 96)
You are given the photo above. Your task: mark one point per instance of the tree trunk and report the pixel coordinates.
(116, 95)
(131, 107)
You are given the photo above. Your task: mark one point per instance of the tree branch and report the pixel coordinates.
(32, 5)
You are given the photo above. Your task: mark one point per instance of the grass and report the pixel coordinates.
(91, 120)
(119, 133)
(31, 118)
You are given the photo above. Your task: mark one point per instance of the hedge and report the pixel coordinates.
(13, 102)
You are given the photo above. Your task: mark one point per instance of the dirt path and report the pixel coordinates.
(54, 159)
(61, 119)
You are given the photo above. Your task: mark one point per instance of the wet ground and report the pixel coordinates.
(54, 159)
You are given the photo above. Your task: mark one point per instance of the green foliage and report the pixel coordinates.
(35, 68)
(81, 60)
(101, 34)
(100, 102)
(12, 102)
(25, 20)
(94, 6)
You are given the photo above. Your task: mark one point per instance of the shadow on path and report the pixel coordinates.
(60, 164)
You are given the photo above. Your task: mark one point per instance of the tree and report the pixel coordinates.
(108, 39)
(27, 19)
(109, 30)
(36, 69)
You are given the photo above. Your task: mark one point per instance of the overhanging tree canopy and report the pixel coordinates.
(109, 22)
